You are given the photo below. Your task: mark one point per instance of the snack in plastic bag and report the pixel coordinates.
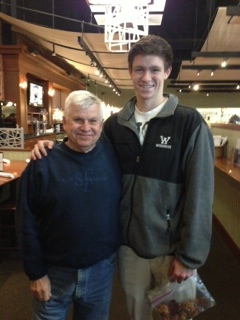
(181, 301)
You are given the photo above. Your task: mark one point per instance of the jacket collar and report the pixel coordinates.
(128, 110)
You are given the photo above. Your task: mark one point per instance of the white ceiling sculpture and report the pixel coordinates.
(125, 24)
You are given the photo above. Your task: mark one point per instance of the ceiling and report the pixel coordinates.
(222, 43)
(189, 26)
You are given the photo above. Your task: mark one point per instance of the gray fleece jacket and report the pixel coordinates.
(168, 182)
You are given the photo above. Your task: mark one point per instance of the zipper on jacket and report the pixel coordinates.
(137, 163)
(169, 226)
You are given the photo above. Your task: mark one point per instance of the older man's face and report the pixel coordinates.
(83, 127)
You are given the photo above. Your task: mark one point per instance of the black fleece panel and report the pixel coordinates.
(166, 140)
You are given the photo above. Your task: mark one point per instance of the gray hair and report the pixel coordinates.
(83, 99)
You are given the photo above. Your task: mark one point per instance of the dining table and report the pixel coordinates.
(14, 168)
(8, 191)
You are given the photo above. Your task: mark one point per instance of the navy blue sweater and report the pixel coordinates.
(68, 209)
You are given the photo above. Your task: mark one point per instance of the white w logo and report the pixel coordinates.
(164, 140)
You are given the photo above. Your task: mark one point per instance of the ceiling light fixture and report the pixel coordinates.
(180, 82)
(33, 52)
(207, 86)
(99, 69)
(215, 54)
(122, 25)
(53, 52)
(125, 24)
(111, 2)
(213, 67)
(224, 63)
(196, 87)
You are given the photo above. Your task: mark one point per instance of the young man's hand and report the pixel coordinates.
(39, 149)
(178, 272)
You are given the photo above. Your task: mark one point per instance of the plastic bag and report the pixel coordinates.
(181, 301)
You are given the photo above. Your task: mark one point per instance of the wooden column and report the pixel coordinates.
(11, 79)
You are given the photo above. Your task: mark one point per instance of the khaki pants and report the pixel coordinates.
(137, 277)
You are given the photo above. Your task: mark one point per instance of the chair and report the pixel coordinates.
(7, 217)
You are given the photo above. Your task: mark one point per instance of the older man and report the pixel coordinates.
(67, 218)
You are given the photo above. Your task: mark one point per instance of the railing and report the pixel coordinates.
(11, 138)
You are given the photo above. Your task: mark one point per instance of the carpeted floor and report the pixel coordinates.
(220, 274)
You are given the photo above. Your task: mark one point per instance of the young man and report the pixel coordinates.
(67, 218)
(166, 154)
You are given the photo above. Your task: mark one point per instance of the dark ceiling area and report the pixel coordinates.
(185, 23)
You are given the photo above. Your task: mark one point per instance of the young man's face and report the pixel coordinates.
(148, 76)
(83, 127)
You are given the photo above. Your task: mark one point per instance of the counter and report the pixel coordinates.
(226, 204)
(15, 167)
(230, 169)
(31, 140)
(229, 130)
(228, 126)
(8, 190)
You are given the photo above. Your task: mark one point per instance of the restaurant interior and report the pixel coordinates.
(50, 48)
